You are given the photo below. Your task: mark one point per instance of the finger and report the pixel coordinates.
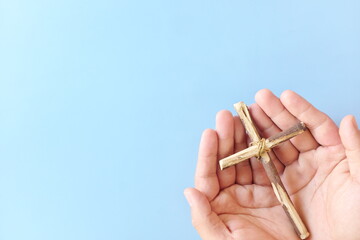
(259, 175)
(207, 223)
(243, 169)
(323, 129)
(225, 131)
(285, 152)
(350, 137)
(206, 179)
(279, 115)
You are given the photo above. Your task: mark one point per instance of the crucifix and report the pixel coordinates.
(259, 148)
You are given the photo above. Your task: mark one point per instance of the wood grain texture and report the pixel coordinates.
(269, 166)
(271, 142)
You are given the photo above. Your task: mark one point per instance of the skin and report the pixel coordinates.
(319, 168)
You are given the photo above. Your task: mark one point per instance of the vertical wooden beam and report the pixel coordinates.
(272, 173)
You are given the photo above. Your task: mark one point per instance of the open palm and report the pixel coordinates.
(320, 170)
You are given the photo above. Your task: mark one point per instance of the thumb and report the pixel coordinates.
(350, 137)
(207, 223)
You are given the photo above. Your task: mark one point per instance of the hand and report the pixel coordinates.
(319, 168)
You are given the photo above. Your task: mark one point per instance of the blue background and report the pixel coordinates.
(102, 103)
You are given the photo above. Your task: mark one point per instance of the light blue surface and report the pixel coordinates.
(102, 103)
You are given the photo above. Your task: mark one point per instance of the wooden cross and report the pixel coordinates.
(259, 148)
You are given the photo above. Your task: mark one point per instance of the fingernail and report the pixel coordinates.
(188, 197)
(354, 122)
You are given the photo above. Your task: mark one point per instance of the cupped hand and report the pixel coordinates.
(319, 168)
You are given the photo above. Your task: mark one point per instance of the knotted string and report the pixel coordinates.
(261, 144)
